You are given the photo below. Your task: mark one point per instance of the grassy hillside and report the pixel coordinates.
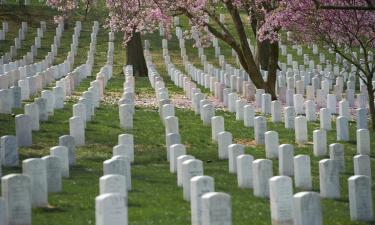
(155, 198)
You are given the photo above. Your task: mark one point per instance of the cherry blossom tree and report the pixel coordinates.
(343, 25)
(65, 7)
(145, 16)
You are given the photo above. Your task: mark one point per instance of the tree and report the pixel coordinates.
(343, 25)
(146, 15)
(65, 7)
(135, 57)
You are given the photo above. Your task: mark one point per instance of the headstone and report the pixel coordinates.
(276, 111)
(176, 151)
(79, 110)
(16, 191)
(320, 142)
(207, 112)
(360, 198)
(363, 142)
(69, 142)
(262, 171)
(344, 109)
(37, 171)
(216, 209)
(170, 140)
(310, 110)
(180, 160)
(217, 126)
(302, 172)
(281, 199)
(286, 154)
(300, 124)
(336, 152)
(32, 110)
(234, 150)
(232, 98)
(266, 104)
(224, 140)
(298, 104)
(171, 125)
(249, 115)
(289, 116)
(271, 144)
(245, 171)
(111, 209)
(17, 98)
(62, 153)
(9, 151)
(190, 168)
(331, 103)
(124, 150)
(42, 108)
(307, 209)
(329, 179)
(361, 118)
(362, 165)
(260, 127)
(77, 130)
(6, 101)
(239, 109)
(113, 183)
(54, 173)
(58, 93)
(325, 119)
(199, 185)
(126, 116)
(23, 130)
(342, 129)
(119, 165)
(2, 211)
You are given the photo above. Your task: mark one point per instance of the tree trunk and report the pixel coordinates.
(87, 9)
(135, 57)
(371, 103)
(273, 58)
(262, 54)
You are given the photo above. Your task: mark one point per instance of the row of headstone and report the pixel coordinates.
(263, 101)
(270, 138)
(329, 189)
(40, 176)
(239, 83)
(4, 30)
(7, 60)
(127, 101)
(38, 111)
(207, 207)
(29, 85)
(44, 106)
(111, 204)
(84, 110)
(12, 72)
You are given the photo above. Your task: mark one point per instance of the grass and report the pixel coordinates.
(155, 198)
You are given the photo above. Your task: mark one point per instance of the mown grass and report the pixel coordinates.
(155, 198)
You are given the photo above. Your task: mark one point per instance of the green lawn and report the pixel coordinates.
(155, 197)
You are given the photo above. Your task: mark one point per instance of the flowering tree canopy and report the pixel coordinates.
(63, 6)
(66, 7)
(340, 29)
(145, 16)
(343, 25)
